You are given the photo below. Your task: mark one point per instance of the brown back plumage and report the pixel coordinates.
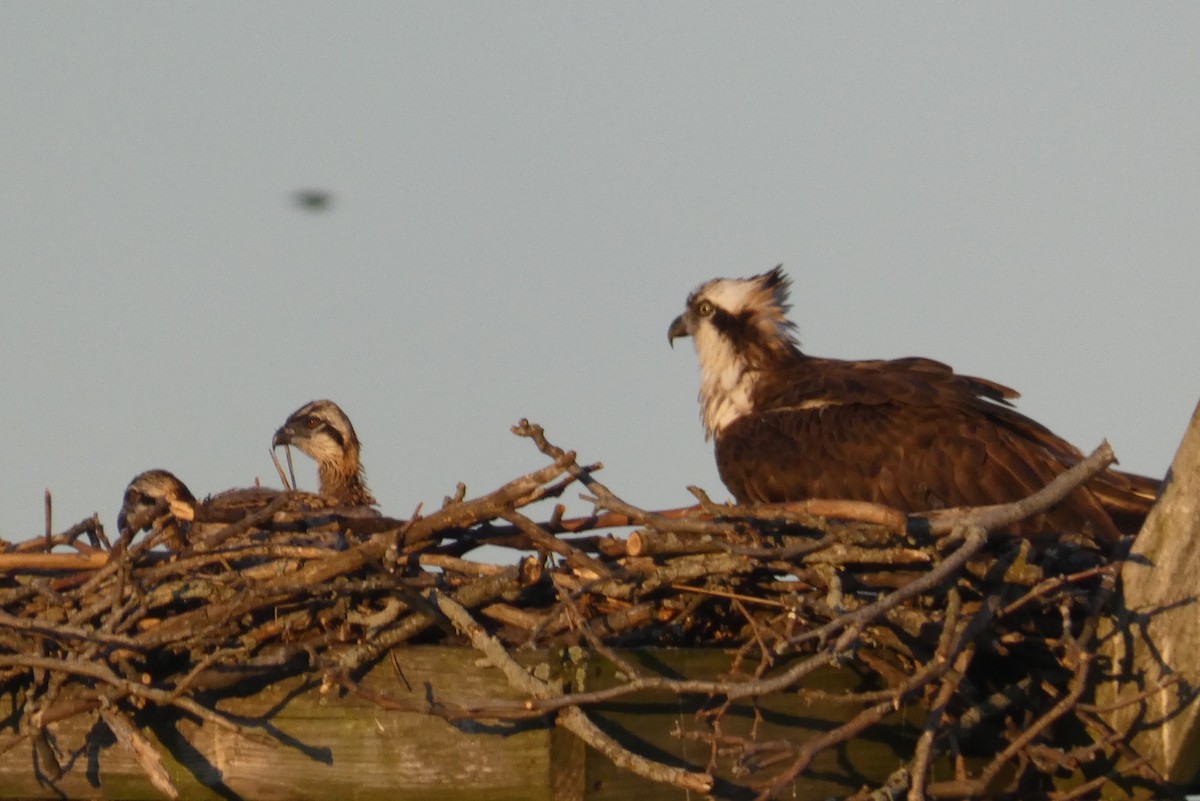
(910, 433)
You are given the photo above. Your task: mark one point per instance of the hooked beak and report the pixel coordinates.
(282, 437)
(679, 328)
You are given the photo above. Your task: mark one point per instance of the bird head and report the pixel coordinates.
(742, 314)
(145, 492)
(320, 429)
(740, 329)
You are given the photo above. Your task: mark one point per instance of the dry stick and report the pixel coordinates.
(1075, 689)
(100, 541)
(765, 659)
(463, 514)
(422, 705)
(43, 543)
(728, 690)
(349, 561)
(1134, 760)
(344, 567)
(812, 512)
(1123, 701)
(685, 568)
(851, 625)
(552, 630)
(581, 625)
(204, 664)
(628, 515)
(287, 485)
(249, 521)
(604, 497)
(951, 643)
(924, 750)
(744, 689)
(65, 631)
(572, 718)
(1046, 586)
(49, 515)
(453, 564)
(571, 525)
(1085, 789)
(13, 741)
(28, 562)
(575, 558)
(974, 525)
(965, 548)
(987, 517)
(471, 595)
(95, 670)
(145, 754)
(736, 597)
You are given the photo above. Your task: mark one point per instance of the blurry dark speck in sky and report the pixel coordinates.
(314, 200)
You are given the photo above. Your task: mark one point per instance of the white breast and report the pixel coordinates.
(726, 384)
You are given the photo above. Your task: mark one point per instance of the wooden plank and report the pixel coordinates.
(647, 724)
(333, 745)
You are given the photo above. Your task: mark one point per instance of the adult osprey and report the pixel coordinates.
(323, 431)
(910, 433)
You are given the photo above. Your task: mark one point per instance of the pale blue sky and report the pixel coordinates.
(526, 193)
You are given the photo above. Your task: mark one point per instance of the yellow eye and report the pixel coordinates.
(704, 309)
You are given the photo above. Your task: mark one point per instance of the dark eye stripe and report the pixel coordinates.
(334, 434)
(735, 327)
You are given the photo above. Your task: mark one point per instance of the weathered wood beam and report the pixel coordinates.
(1155, 639)
(322, 742)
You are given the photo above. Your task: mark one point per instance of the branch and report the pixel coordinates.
(572, 718)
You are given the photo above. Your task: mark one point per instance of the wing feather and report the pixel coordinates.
(909, 433)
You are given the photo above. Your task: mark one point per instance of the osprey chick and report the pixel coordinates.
(910, 433)
(193, 522)
(323, 431)
(144, 493)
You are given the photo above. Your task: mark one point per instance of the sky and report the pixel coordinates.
(523, 196)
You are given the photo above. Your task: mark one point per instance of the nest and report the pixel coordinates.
(989, 635)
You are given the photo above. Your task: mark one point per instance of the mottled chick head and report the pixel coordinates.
(323, 431)
(320, 429)
(144, 492)
(747, 313)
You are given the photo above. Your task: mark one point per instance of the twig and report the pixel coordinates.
(571, 718)
(145, 754)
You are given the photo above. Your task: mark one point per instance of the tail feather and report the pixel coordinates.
(1127, 497)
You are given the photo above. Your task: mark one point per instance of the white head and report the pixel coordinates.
(739, 327)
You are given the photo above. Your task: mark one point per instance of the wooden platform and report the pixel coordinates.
(329, 744)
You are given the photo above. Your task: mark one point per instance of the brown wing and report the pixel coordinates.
(911, 434)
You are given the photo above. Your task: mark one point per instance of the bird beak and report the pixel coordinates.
(282, 437)
(679, 328)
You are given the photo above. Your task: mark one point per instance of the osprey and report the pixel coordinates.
(143, 494)
(323, 431)
(909, 433)
(187, 519)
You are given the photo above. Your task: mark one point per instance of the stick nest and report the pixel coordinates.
(989, 636)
